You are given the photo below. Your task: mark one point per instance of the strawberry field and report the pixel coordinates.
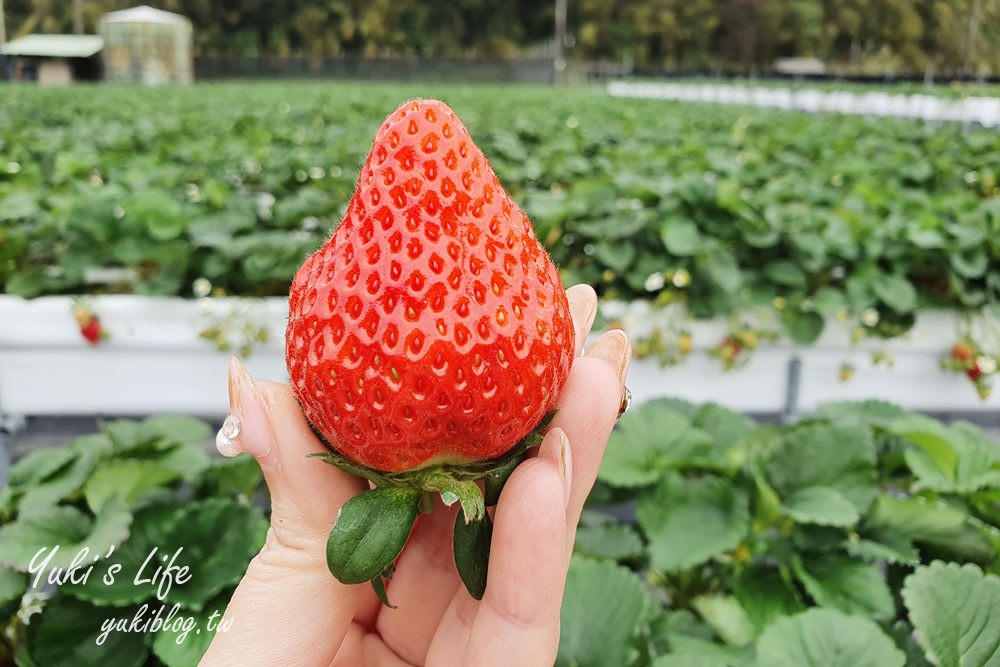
(779, 224)
(721, 208)
(863, 535)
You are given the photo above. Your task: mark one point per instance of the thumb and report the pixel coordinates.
(266, 422)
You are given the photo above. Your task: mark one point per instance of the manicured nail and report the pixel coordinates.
(614, 347)
(565, 463)
(225, 439)
(582, 305)
(246, 428)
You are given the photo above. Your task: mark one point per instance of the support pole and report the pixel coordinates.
(77, 17)
(560, 41)
(790, 414)
(3, 40)
(970, 51)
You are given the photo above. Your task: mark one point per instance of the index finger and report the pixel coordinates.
(588, 409)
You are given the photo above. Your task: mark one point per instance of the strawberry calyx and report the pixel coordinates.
(372, 528)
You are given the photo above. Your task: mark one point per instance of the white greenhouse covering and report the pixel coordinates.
(147, 46)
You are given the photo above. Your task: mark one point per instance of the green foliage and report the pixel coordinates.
(864, 535)
(603, 605)
(719, 510)
(955, 608)
(829, 216)
(876, 37)
(84, 527)
(826, 638)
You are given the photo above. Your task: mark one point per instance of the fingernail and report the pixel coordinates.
(614, 347)
(582, 305)
(246, 428)
(565, 463)
(225, 439)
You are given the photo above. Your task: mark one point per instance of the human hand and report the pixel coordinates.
(290, 610)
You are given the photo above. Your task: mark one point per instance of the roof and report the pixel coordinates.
(54, 46)
(800, 66)
(143, 14)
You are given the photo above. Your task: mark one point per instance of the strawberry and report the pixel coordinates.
(89, 324)
(735, 343)
(962, 351)
(974, 372)
(92, 331)
(430, 335)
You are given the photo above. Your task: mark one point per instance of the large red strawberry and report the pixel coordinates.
(430, 336)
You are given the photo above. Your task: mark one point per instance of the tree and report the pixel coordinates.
(944, 37)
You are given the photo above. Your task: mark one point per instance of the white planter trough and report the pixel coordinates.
(155, 361)
(783, 377)
(982, 110)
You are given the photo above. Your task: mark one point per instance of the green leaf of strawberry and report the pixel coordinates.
(378, 585)
(472, 552)
(496, 479)
(370, 532)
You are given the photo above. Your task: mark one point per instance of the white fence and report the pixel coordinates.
(984, 111)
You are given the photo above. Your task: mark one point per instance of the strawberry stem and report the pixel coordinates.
(465, 492)
(426, 502)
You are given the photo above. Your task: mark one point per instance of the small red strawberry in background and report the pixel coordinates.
(427, 342)
(730, 350)
(737, 348)
(968, 358)
(962, 350)
(89, 323)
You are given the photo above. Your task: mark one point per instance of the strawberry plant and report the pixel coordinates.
(736, 349)
(865, 532)
(669, 347)
(89, 529)
(720, 208)
(973, 359)
(238, 329)
(718, 212)
(862, 536)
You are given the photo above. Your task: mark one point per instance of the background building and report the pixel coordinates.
(147, 46)
(54, 60)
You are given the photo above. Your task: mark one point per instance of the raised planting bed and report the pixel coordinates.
(833, 222)
(780, 376)
(169, 355)
(972, 109)
(160, 355)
